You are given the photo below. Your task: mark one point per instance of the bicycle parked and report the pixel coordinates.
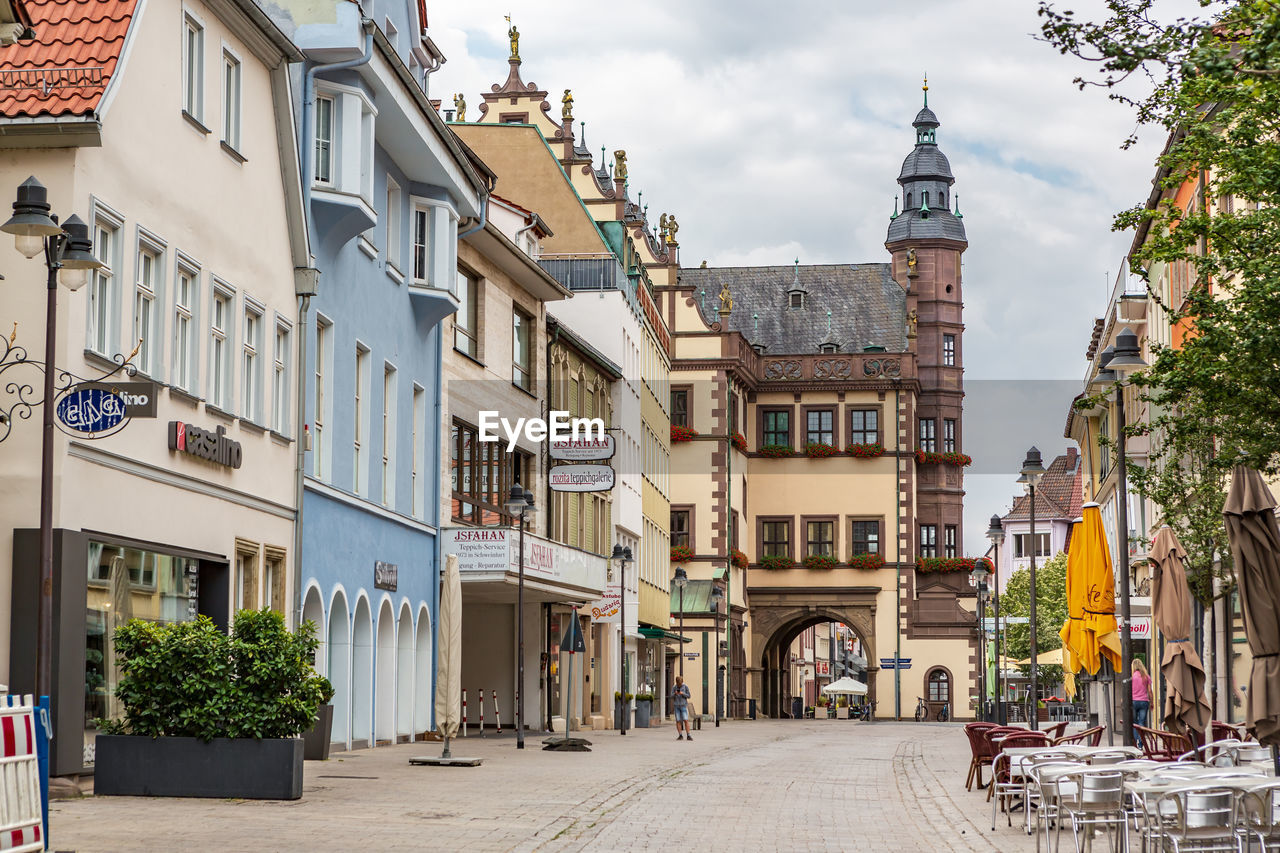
(922, 711)
(867, 712)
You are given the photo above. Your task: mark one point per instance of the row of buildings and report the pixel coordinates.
(325, 281)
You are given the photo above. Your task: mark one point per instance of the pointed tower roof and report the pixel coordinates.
(926, 181)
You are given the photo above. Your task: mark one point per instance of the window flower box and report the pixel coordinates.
(777, 451)
(960, 460)
(739, 441)
(682, 433)
(866, 561)
(777, 561)
(821, 561)
(815, 450)
(866, 451)
(738, 559)
(947, 565)
(681, 553)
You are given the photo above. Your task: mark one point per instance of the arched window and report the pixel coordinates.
(938, 686)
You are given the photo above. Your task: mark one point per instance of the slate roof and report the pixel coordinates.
(926, 117)
(1059, 495)
(867, 306)
(926, 161)
(69, 34)
(911, 225)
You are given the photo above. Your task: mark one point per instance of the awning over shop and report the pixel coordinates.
(845, 687)
(697, 598)
(661, 634)
(489, 562)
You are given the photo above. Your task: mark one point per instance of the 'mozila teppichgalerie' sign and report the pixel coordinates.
(583, 449)
(581, 478)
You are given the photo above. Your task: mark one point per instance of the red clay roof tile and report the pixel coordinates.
(69, 34)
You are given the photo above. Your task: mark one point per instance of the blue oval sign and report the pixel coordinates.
(91, 410)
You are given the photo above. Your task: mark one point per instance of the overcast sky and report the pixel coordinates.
(776, 130)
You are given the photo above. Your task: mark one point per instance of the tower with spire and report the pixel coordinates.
(927, 241)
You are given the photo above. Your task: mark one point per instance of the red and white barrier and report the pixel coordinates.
(497, 717)
(20, 800)
(464, 713)
(481, 712)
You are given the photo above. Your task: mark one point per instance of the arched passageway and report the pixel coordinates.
(775, 631)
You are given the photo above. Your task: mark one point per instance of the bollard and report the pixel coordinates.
(481, 712)
(497, 717)
(464, 713)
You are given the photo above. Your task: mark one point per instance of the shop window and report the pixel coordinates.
(939, 686)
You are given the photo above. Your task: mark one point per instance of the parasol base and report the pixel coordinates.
(572, 744)
(437, 761)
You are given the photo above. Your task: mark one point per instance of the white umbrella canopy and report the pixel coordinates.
(449, 665)
(845, 687)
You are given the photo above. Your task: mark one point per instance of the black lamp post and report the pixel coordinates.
(717, 595)
(996, 534)
(978, 580)
(519, 506)
(1032, 471)
(623, 556)
(1126, 359)
(67, 248)
(682, 580)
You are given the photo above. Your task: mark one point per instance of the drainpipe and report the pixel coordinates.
(304, 305)
(897, 549)
(437, 513)
(520, 233)
(484, 211)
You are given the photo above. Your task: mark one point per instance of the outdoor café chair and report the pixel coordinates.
(1200, 819)
(1007, 773)
(1088, 737)
(1092, 799)
(1031, 790)
(1260, 816)
(981, 749)
(1043, 791)
(1219, 730)
(1217, 752)
(1161, 745)
(1103, 757)
(1056, 730)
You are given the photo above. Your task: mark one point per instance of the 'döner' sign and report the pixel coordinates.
(581, 478)
(583, 448)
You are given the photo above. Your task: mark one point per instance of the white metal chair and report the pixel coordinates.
(1044, 790)
(1092, 799)
(1200, 819)
(1260, 816)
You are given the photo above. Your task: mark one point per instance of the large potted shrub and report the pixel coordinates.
(207, 714)
(644, 709)
(621, 709)
(317, 739)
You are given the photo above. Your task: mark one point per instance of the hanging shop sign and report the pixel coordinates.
(583, 449)
(1140, 628)
(581, 478)
(212, 446)
(609, 608)
(385, 575)
(92, 411)
(139, 397)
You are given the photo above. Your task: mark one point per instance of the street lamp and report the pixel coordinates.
(623, 556)
(978, 580)
(1032, 471)
(996, 534)
(1125, 359)
(717, 595)
(67, 248)
(520, 505)
(682, 580)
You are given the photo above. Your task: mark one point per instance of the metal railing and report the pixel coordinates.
(585, 271)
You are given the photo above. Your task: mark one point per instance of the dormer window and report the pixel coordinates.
(828, 349)
(759, 348)
(796, 299)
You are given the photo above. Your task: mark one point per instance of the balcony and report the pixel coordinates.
(585, 272)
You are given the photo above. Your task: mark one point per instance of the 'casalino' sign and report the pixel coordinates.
(213, 446)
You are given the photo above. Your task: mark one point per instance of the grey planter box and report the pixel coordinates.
(644, 710)
(243, 768)
(317, 739)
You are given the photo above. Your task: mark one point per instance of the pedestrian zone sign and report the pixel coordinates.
(895, 663)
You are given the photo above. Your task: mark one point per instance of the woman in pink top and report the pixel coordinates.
(1141, 696)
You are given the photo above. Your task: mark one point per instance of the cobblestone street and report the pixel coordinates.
(765, 785)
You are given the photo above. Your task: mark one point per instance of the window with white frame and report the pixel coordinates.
(421, 244)
(280, 379)
(359, 443)
(434, 233)
(393, 224)
(220, 321)
(949, 350)
(251, 368)
(418, 458)
(186, 296)
(388, 435)
(193, 67)
(324, 166)
(102, 322)
(231, 73)
(324, 353)
(522, 350)
(146, 320)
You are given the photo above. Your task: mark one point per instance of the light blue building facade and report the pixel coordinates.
(388, 190)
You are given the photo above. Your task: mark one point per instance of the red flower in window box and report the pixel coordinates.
(681, 553)
(866, 561)
(820, 561)
(950, 564)
(777, 451)
(866, 451)
(682, 433)
(777, 561)
(739, 441)
(817, 450)
(738, 559)
(960, 460)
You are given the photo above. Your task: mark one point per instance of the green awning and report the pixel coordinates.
(662, 634)
(697, 598)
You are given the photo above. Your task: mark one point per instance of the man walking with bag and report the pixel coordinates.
(680, 702)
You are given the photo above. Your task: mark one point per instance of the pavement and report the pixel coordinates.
(748, 786)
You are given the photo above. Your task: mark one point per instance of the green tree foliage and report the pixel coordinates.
(1051, 607)
(190, 679)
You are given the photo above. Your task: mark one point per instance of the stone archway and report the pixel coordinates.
(776, 623)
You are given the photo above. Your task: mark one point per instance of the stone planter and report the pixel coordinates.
(241, 768)
(644, 709)
(316, 740)
(621, 712)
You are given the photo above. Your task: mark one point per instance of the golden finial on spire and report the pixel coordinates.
(514, 35)
(926, 88)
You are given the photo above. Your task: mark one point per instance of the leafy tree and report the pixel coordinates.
(1051, 607)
